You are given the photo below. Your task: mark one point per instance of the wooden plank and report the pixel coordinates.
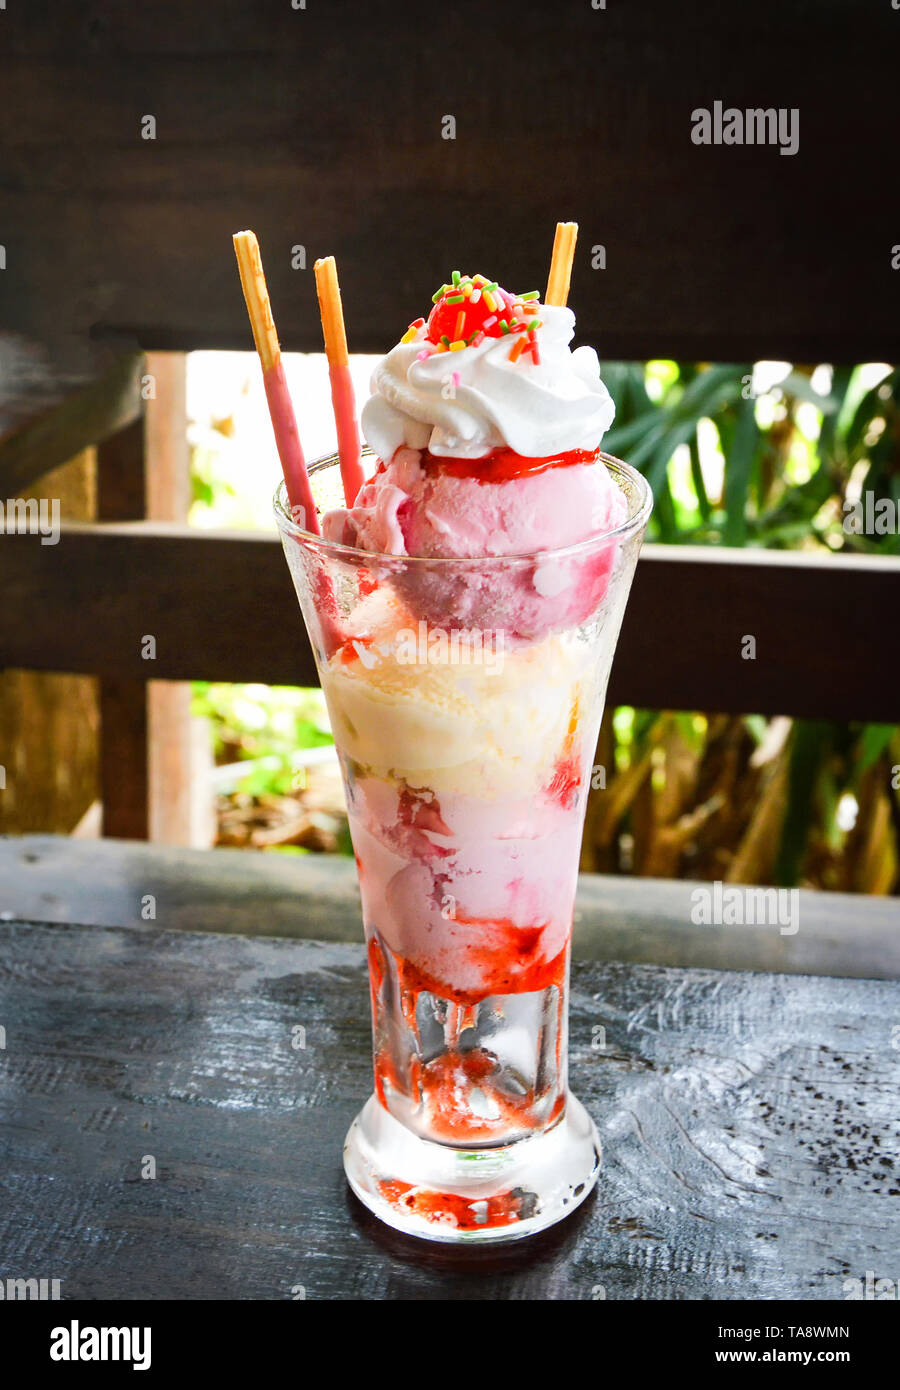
(121, 478)
(235, 591)
(48, 722)
(98, 883)
(180, 801)
(31, 383)
(123, 758)
(179, 791)
(285, 118)
(61, 418)
(222, 608)
(124, 734)
(692, 608)
(55, 879)
(748, 1125)
(168, 481)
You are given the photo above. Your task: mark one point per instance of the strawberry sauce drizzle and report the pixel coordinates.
(443, 1087)
(450, 1209)
(515, 968)
(504, 465)
(565, 784)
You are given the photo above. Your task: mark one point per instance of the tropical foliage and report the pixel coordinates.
(776, 456)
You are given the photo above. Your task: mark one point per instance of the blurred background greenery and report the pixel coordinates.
(763, 454)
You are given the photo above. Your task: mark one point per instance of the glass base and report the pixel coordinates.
(471, 1196)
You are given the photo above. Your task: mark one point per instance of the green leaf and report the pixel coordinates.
(615, 379)
(840, 381)
(201, 491)
(869, 407)
(621, 438)
(738, 467)
(698, 479)
(875, 739)
(636, 387)
(711, 389)
(798, 505)
(810, 746)
(800, 386)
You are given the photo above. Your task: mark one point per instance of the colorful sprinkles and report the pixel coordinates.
(470, 308)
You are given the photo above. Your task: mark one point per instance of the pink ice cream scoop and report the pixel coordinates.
(487, 429)
(445, 509)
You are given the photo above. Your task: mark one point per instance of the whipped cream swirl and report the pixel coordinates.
(464, 404)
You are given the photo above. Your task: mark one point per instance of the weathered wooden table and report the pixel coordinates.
(749, 1118)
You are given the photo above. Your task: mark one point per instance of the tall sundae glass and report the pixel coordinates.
(464, 613)
(463, 582)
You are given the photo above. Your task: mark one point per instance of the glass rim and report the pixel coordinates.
(353, 554)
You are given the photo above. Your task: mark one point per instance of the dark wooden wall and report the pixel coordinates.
(321, 127)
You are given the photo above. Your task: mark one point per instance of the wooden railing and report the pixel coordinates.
(220, 606)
